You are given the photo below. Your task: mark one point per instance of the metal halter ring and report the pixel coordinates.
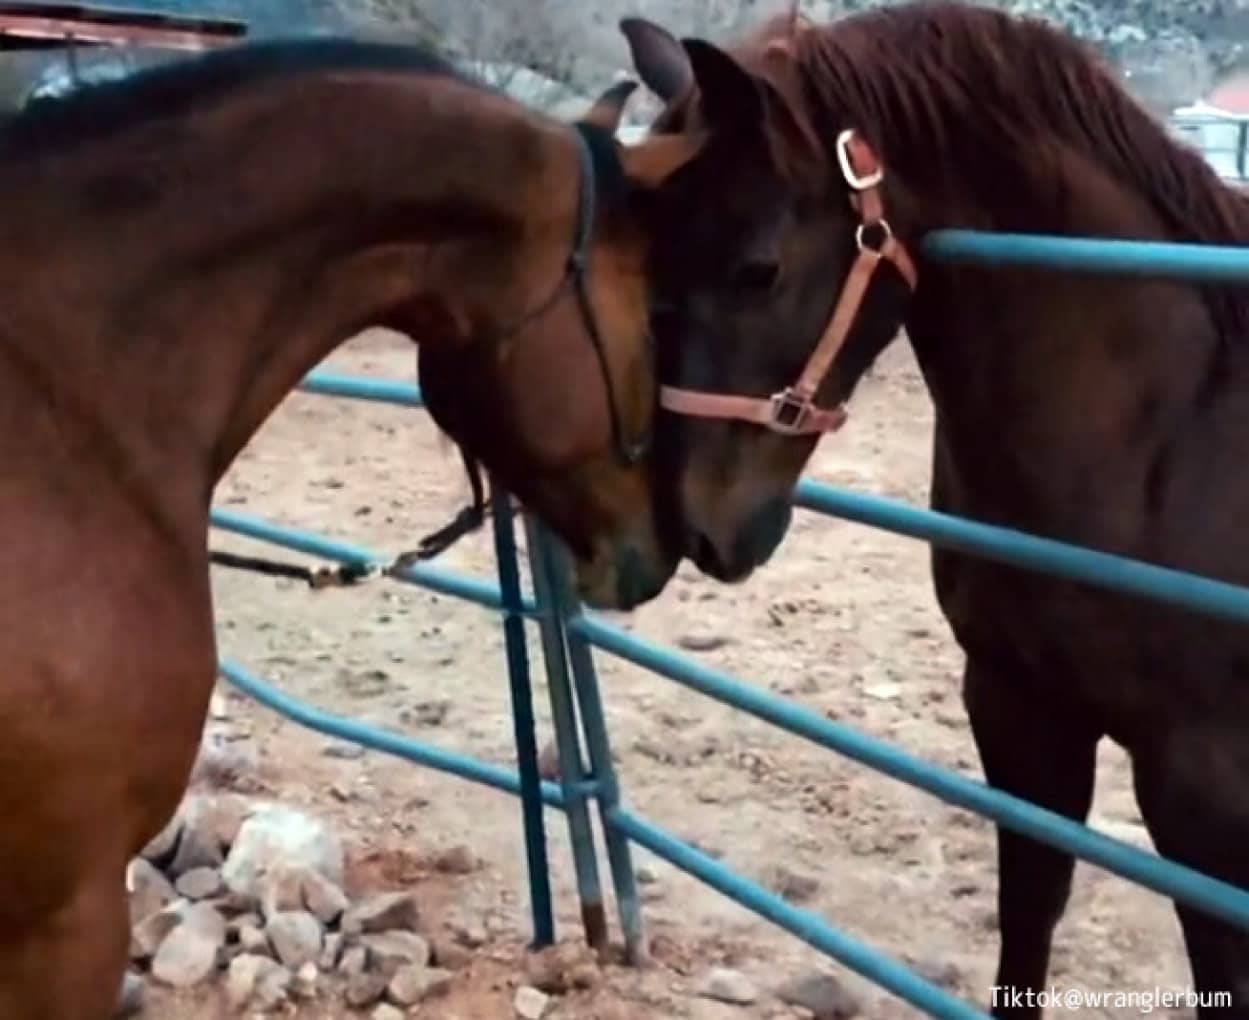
(860, 236)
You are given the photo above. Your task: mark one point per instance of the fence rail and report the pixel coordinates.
(568, 635)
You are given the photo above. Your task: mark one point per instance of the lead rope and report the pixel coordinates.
(321, 577)
(468, 520)
(345, 575)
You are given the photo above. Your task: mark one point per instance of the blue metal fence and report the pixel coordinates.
(568, 635)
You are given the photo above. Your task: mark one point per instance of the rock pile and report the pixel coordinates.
(252, 894)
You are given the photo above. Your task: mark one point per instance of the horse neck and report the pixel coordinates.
(182, 306)
(1043, 380)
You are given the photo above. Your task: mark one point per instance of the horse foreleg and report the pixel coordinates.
(68, 964)
(1190, 786)
(1030, 750)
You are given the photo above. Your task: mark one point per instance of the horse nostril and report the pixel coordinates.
(706, 556)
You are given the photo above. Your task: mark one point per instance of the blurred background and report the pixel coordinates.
(1184, 59)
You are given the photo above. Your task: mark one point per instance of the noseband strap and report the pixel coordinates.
(793, 411)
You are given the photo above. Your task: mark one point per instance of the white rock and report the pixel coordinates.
(412, 984)
(223, 760)
(530, 1004)
(322, 898)
(197, 848)
(885, 691)
(384, 912)
(257, 981)
(150, 890)
(276, 837)
(162, 845)
(148, 934)
(280, 891)
(205, 918)
(731, 986)
(130, 998)
(252, 939)
(702, 642)
(304, 985)
(199, 884)
(188, 954)
(822, 995)
(271, 989)
(217, 816)
(364, 989)
(353, 961)
(295, 936)
(185, 958)
(407, 987)
(388, 951)
(331, 950)
(241, 978)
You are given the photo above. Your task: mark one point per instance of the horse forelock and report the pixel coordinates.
(916, 78)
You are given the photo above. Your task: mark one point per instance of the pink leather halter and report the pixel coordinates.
(793, 411)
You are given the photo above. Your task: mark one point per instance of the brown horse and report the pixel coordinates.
(1107, 412)
(177, 251)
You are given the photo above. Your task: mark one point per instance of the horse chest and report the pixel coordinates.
(1047, 637)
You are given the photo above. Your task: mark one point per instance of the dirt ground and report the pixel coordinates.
(843, 621)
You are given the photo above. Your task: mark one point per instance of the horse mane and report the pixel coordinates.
(916, 78)
(99, 110)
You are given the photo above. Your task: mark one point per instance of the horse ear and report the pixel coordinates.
(651, 162)
(609, 107)
(660, 60)
(730, 96)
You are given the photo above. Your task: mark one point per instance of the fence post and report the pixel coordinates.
(576, 785)
(554, 561)
(522, 718)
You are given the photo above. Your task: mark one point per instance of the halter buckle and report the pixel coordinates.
(789, 412)
(859, 182)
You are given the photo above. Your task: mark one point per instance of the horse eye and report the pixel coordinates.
(755, 276)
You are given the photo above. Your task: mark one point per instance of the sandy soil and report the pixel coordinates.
(843, 621)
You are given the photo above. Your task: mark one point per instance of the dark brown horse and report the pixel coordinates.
(176, 252)
(1107, 412)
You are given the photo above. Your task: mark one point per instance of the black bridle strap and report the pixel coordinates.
(578, 269)
(576, 273)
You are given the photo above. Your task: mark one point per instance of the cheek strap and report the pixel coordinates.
(793, 411)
